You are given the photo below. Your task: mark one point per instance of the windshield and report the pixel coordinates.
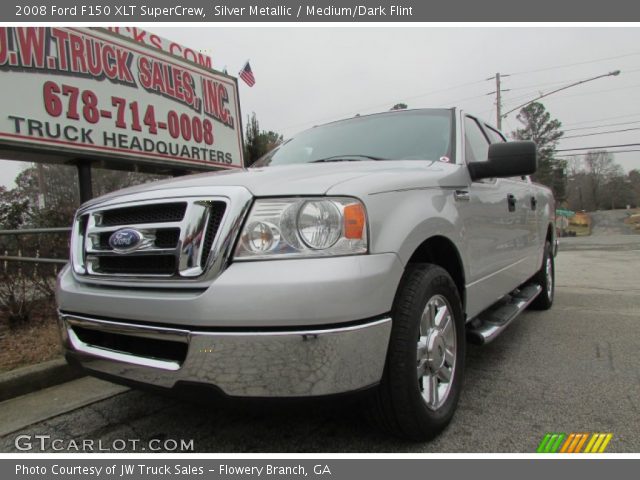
(404, 135)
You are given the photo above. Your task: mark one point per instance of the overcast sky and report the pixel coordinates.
(311, 75)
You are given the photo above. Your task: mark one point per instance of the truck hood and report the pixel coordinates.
(314, 179)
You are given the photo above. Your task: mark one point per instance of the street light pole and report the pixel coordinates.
(615, 73)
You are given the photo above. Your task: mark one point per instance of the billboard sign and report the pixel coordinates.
(152, 40)
(85, 93)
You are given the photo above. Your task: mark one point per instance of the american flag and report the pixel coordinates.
(247, 75)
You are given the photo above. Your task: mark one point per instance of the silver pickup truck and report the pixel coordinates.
(361, 255)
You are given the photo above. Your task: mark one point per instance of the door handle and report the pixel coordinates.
(511, 201)
(534, 203)
(461, 195)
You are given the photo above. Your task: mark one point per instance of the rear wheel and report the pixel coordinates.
(546, 279)
(425, 362)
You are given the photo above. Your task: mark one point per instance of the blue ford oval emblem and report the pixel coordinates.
(125, 239)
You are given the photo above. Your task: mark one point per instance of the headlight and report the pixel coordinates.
(319, 224)
(303, 227)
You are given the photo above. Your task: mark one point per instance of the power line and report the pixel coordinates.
(583, 154)
(537, 91)
(603, 119)
(566, 65)
(599, 147)
(433, 92)
(602, 91)
(413, 97)
(546, 94)
(601, 126)
(576, 95)
(545, 84)
(601, 133)
(455, 102)
(529, 94)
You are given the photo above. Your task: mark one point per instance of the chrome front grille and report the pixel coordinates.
(173, 239)
(153, 213)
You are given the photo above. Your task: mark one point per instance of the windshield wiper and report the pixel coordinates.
(347, 158)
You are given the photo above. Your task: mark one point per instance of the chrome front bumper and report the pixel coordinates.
(245, 363)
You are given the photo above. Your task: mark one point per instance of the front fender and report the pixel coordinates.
(401, 221)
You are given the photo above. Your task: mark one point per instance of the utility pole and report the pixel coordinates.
(498, 94)
(498, 103)
(84, 181)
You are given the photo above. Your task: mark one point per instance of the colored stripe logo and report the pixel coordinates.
(574, 443)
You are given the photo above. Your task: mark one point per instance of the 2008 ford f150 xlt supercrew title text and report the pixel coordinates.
(359, 255)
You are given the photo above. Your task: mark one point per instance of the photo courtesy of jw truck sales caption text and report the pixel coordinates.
(127, 469)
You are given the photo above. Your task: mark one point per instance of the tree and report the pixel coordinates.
(56, 186)
(600, 169)
(598, 182)
(578, 191)
(15, 210)
(251, 147)
(106, 181)
(634, 180)
(545, 132)
(256, 142)
(400, 106)
(53, 192)
(617, 191)
(46, 196)
(271, 140)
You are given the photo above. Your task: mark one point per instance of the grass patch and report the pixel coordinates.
(36, 341)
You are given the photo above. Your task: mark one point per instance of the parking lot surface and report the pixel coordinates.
(574, 368)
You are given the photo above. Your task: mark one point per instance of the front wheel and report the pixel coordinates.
(423, 374)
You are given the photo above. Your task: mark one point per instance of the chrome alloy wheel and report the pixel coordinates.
(548, 271)
(436, 352)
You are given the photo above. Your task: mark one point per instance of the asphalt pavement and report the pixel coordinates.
(574, 368)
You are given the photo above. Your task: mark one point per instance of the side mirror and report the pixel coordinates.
(510, 159)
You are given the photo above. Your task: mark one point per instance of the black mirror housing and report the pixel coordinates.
(510, 159)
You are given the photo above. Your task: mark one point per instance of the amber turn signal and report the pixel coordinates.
(354, 221)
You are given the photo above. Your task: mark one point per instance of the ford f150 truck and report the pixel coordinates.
(359, 255)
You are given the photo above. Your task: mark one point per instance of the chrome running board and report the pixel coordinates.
(492, 322)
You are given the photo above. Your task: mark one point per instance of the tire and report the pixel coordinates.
(546, 279)
(427, 322)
